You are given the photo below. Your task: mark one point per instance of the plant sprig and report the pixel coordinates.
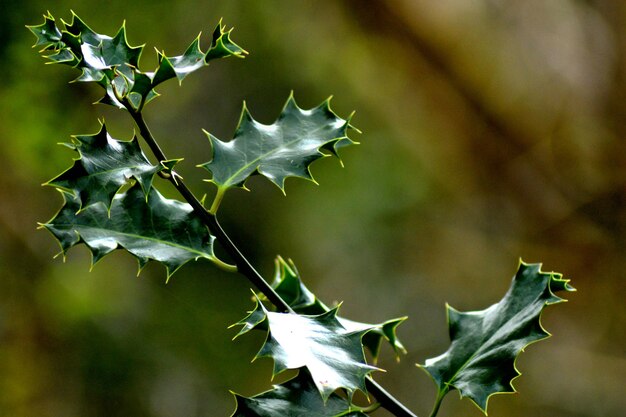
(111, 201)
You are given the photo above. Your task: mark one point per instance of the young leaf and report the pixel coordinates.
(47, 33)
(333, 355)
(283, 149)
(297, 397)
(114, 65)
(155, 228)
(485, 344)
(288, 284)
(193, 58)
(104, 166)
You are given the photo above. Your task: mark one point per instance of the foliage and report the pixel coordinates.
(112, 201)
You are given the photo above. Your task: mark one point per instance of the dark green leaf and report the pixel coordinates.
(193, 58)
(333, 355)
(47, 33)
(289, 286)
(104, 166)
(283, 149)
(485, 344)
(222, 46)
(114, 65)
(297, 397)
(155, 228)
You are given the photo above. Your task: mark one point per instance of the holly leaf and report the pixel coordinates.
(283, 149)
(155, 228)
(333, 355)
(113, 63)
(288, 284)
(297, 397)
(47, 33)
(194, 58)
(480, 361)
(103, 167)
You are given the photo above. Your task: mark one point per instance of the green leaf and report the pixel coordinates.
(283, 149)
(104, 166)
(288, 284)
(222, 46)
(485, 344)
(110, 52)
(47, 33)
(113, 63)
(333, 355)
(297, 397)
(193, 58)
(155, 228)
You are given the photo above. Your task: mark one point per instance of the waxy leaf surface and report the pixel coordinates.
(155, 228)
(113, 64)
(485, 344)
(297, 397)
(333, 355)
(283, 149)
(288, 284)
(104, 166)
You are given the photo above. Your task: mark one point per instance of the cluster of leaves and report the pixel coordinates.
(113, 64)
(111, 202)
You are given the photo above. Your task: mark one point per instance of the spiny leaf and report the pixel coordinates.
(109, 52)
(333, 355)
(193, 58)
(283, 149)
(155, 228)
(47, 33)
(114, 65)
(104, 166)
(289, 286)
(222, 46)
(297, 397)
(485, 344)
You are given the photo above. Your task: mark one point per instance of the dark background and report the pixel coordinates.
(492, 130)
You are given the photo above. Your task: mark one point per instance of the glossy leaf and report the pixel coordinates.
(155, 228)
(114, 65)
(283, 149)
(104, 166)
(288, 284)
(297, 397)
(194, 58)
(333, 355)
(485, 344)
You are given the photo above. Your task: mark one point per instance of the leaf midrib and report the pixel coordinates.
(169, 243)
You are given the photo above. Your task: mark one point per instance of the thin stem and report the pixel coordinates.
(369, 409)
(223, 265)
(217, 201)
(353, 408)
(385, 399)
(437, 404)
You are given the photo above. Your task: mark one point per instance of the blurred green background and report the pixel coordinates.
(492, 130)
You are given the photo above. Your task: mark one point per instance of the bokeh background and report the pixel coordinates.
(492, 130)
